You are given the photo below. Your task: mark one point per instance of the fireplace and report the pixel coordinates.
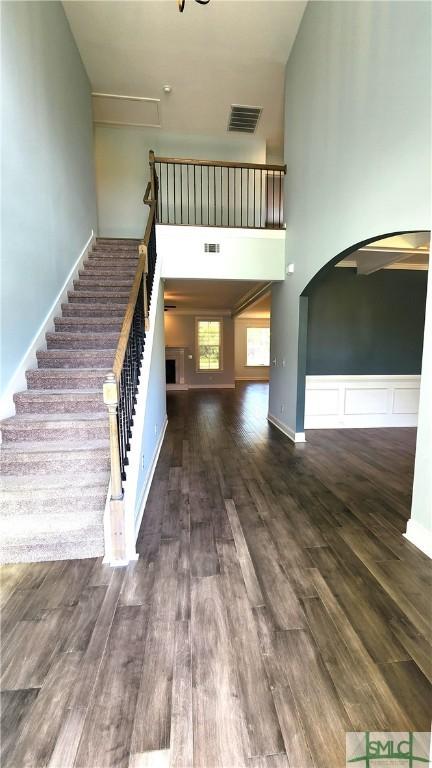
(170, 371)
(175, 367)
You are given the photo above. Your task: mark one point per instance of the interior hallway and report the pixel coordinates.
(275, 605)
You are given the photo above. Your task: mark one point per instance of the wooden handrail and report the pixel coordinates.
(220, 164)
(130, 308)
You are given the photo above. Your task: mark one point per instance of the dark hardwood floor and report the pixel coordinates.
(275, 606)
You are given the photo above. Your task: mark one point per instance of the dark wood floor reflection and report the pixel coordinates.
(275, 606)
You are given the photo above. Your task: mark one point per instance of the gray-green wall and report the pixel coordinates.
(48, 189)
(364, 325)
(357, 148)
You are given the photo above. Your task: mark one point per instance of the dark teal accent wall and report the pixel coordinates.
(366, 324)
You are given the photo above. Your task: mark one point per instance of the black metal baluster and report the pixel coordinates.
(214, 195)
(280, 199)
(241, 197)
(175, 208)
(247, 198)
(273, 177)
(187, 178)
(254, 176)
(208, 195)
(221, 196)
(167, 191)
(228, 172)
(181, 194)
(261, 199)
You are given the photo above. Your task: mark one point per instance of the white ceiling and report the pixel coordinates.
(191, 295)
(226, 52)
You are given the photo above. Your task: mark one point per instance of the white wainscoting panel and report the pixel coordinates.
(333, 402)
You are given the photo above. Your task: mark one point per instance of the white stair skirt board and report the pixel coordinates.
(28, 361)
(420, 536)
(132, 494)
(335, 402)
(148, 480)
(296, 437)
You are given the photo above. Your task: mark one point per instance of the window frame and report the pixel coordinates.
(208, 319)
(256, 365)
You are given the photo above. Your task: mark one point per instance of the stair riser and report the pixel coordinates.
(72, 463)
(51, 506)
(73, 431)
(107, 248)
(82, 341)
(111, 265)
(66, 545)
(102, 284)
(27, 404)
(107, 270)
(90, 310)
(76, 359)
(88, 325)
(99, 297)
(43, 380)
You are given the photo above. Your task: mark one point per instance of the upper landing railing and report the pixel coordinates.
(212, 193)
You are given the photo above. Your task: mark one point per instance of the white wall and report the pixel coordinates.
(48, 189)
(242, 370)
(419, 529)
(244, 254)
(122, 168)
(357, 148)
(180, 333)
(155, 408)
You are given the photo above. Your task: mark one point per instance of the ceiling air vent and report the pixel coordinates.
(211, 248)
(244, 119)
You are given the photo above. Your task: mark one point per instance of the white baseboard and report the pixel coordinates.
(28, 361)
(363, 402)
(177, 387)
(149, 478)
(211, 386)
(296, 437)
(420, 536)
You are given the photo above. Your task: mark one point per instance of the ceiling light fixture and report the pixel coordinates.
(181, 4)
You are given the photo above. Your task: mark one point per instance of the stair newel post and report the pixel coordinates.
(143, 252)
(118, 539)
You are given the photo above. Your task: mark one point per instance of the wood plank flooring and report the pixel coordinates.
(275, 605)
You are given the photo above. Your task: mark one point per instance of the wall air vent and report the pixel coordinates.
(243, 118)
(211, 247)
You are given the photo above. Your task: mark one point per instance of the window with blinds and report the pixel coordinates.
(209, 345)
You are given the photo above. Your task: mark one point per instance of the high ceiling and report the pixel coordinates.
(212, 56)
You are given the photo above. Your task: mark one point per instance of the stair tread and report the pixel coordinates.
(61, 392)
(69, 372)
(13, 483)
(54, 446)
(40, 418)
(75, 352)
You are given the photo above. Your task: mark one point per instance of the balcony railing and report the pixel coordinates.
(210, 193)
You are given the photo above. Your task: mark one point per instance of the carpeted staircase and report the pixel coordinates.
(55, 451)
